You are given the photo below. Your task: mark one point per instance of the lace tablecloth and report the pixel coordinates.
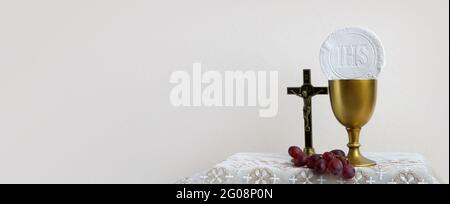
(271, 168)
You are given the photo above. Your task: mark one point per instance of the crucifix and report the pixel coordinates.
(307, 91)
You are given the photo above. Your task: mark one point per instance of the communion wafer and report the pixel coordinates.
(352, 53)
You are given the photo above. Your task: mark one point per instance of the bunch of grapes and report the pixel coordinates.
(333, 162)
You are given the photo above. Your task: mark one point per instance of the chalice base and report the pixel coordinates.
(358, 160)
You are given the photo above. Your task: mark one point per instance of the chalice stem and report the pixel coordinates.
(354, 155)
(353, 138)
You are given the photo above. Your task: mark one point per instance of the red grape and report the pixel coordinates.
(328, 156)
(320, 166)
(343, 159)
(348, 171)
(335, 167)
(300, 161)
(333, 162)
(311, 161)
(338, 152)
(295, 152)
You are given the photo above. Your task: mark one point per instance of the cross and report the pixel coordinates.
(229, 176)
(247, 178)
(274, 179)
(370, 181)
(380, 172)
(204, 177)
(307, 91)
(340, 181)
(321, 179)
(293, 179)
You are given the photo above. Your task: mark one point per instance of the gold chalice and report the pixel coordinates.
(353, 102)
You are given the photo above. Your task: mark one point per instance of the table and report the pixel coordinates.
(276, 168)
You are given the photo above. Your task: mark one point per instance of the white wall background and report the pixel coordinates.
(84, 85)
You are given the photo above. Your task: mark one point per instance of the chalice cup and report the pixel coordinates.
(353, 102)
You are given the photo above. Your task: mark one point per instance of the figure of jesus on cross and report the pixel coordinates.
(307, 91)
